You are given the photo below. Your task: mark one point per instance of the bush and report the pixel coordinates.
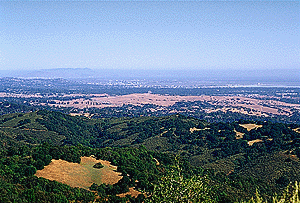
(290, 195)
(98, 165)
(175, 188)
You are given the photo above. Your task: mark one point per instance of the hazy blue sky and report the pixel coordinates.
(169, 35)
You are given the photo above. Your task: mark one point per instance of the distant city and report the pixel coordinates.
(167, 78)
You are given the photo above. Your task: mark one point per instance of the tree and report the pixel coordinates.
(30, 170)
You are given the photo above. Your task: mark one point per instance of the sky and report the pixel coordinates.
(149, 35)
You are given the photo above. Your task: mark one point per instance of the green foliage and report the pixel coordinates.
(23, 122)
(137, 163)
(234, 168)
(176, 188)
(14, 107)
(289, 195)
(98, 165)
(75, 129)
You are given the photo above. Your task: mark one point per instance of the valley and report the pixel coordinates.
(101, 100)
(236, 140)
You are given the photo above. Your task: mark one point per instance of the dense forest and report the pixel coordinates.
(222, 162)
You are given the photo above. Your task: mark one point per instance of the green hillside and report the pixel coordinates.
(146, 149)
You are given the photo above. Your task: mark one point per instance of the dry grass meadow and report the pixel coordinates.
(81, 175)
(250, 105)
(250, 126)
(240, 104)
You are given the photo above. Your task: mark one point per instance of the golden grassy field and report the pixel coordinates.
(81, 175)
(250, 126)
(259, 106)
(132, 192)
(244, 105)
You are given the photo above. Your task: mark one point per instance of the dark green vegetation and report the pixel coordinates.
(146, 149)
(98, 165)
(8, 107)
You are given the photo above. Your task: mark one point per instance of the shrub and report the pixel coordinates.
(175, 188)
